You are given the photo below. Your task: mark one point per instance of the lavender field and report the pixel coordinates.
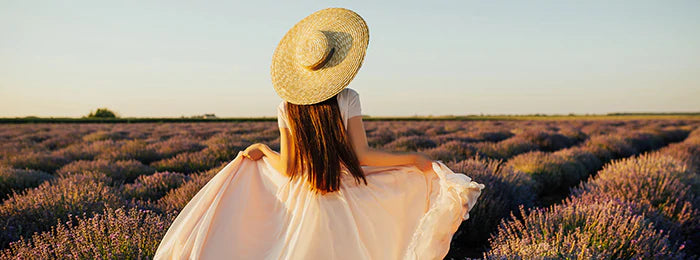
(554, 189)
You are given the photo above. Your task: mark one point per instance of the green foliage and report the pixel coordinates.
(101, 113)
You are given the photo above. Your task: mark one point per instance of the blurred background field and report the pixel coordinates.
(556, 187)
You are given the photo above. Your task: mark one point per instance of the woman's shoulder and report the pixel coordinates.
(282, 107)
(351, 103)
(348, 93)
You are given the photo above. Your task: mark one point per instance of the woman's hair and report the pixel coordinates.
(321, 143)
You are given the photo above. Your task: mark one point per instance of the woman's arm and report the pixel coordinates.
(371, 156)
(358, 139)
(278, 160)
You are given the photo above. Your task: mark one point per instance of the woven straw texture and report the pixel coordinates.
(319, 56)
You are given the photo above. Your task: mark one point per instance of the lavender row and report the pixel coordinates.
(641, 207)
(520, 142)
(555, 172)
(526, 179)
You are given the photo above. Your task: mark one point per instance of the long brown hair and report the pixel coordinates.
(321, 143)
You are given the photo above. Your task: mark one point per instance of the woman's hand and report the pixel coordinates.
(254, 152)
(423, 162)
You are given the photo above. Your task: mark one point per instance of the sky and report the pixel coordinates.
(185, 58)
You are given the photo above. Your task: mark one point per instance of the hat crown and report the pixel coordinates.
(313, 50)
(319, 56)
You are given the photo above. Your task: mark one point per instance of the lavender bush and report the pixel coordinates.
(154, 186)
(106, 134)
(176, 145)
(176, 199)
(111, 234)
(451, 151)
(16, 180)
(379, 137)
(507, 190)
(37, 209)
(607, 230)
(655, 181)
(586, 158)
(546, 140)
(187, 162)
(608, 147)
(410, 143)
(59, 140)
(131, 150)
(119, 171)
(572, 132)
(506, 148)
(453, 136)
(644, 140)
(552, 172)
(687, 151)
(492, 136)
(85, 151)
(37, 160)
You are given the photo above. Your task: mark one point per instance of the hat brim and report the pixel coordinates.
(296, 84)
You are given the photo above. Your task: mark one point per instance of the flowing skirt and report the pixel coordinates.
(249, 210)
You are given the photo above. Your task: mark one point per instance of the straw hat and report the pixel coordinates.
(319, 56)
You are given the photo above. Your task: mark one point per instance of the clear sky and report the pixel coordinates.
(174, 58)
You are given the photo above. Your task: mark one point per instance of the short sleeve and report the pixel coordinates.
(354, 106)
(282, 115)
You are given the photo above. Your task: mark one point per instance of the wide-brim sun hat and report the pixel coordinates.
(319, 56)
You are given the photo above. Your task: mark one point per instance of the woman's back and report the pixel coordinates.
(314, 141)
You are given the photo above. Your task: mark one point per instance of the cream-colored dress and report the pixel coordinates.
(249, 210)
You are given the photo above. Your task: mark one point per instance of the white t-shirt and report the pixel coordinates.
(348, 102)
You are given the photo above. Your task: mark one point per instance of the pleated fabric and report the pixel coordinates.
(249, 210)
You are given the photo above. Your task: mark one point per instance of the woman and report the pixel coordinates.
(348, 147)
(327, 194)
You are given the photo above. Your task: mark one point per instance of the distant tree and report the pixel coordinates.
(102, 113)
